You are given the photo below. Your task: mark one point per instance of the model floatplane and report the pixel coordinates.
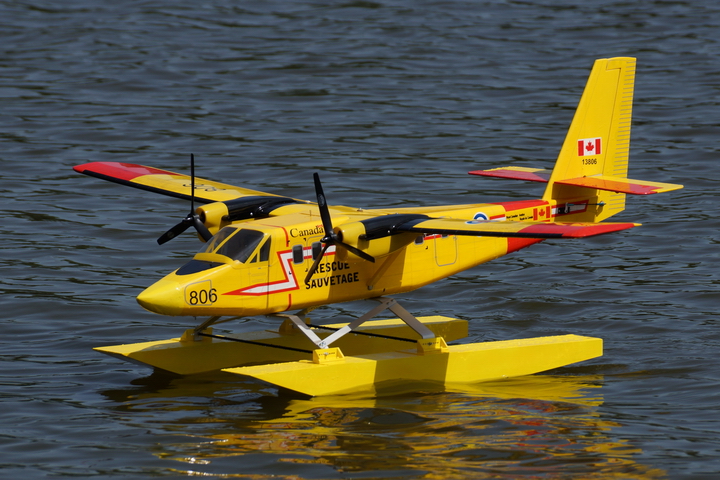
(270, 255)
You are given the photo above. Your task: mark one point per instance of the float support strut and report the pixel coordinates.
(385, 304)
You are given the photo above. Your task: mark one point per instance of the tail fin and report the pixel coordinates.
(590, 175)
(598, 141)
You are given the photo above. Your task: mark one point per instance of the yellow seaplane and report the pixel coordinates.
(265, 254)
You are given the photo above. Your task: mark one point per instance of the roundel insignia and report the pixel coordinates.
(478, 218)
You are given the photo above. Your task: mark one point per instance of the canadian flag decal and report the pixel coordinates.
(589, 146)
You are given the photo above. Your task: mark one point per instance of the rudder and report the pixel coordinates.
(598, 140)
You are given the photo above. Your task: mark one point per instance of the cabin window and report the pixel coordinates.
(297, 253)
(316, 249)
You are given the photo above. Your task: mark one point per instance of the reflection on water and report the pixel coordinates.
(541, 425)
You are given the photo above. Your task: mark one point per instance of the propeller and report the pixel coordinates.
(330, 238)
(191, 219)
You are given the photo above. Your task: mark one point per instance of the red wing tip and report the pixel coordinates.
(486, 173)
(577, 230)
(601, 229)
(121, 171)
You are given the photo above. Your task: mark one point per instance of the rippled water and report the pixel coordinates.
(393, 102)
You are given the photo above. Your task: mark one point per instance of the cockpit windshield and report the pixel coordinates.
(234, 243)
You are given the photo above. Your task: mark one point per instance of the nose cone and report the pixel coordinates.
(164, 297)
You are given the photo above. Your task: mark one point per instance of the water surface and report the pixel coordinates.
(393, 102)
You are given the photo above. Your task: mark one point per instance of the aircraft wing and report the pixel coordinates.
(165, 182)
(453, 226)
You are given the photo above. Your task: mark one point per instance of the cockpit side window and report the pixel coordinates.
(241, 245)
(265, 251)
(264, 254)
(217, 239)
(235, 244)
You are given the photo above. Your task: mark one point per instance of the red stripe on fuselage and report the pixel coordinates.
(521, 204)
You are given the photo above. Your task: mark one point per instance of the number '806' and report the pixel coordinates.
(201, 294)
(202, 297)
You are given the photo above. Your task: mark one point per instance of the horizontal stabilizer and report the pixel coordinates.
(453, 226)
(516, 173)
(620, 185)
(164, 182)
(599, 182)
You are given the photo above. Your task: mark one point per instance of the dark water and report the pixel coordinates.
(393, 102)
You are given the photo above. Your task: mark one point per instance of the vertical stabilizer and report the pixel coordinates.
(598, 141)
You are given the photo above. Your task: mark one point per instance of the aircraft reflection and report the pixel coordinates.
(541, 425)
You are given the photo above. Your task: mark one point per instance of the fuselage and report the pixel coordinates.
(258, 267)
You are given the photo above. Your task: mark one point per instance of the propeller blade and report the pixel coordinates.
(356, 251)
(192, 184)
(331, 238)
(316, 263)
(201, 228)
(175, 231)
(322, 205)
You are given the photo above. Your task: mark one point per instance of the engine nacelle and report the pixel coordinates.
(355, 234)
(214, 216)
(218, 214)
